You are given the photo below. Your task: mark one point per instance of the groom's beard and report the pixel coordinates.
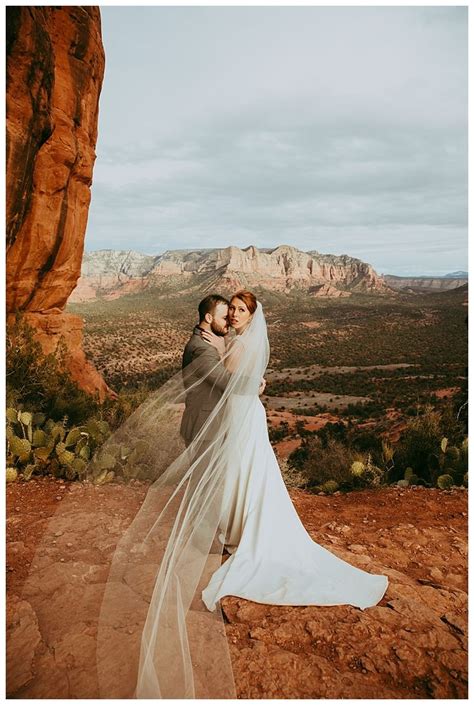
(219, 330)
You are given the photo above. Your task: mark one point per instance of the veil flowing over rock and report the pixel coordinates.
(155, 638)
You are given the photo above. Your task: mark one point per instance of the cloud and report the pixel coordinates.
(269, 125)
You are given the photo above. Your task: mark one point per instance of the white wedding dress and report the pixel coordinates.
(273, 559)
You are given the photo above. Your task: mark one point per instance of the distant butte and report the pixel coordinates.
(112, 273)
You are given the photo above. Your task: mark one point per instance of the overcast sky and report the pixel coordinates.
(337, 129)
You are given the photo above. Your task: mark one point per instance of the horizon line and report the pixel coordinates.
(210, 249)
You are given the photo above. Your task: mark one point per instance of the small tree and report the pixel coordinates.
(41, 382)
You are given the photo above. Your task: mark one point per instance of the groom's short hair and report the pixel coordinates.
(209, 304)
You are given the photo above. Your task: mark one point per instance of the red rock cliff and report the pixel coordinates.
(55, 67)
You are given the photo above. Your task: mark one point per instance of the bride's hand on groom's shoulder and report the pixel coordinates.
(217, 341)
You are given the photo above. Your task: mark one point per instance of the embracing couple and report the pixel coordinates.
(205, 350)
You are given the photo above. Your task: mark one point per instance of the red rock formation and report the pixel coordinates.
(327, 290)
(55, 67)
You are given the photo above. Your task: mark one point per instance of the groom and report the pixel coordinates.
(201, 400)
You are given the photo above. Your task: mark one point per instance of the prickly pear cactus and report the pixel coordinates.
(42, 454)
(79, 465)
(105, 476)
(330, 486)
(66, 457)
(25, 417)
(12, 474)
(444, 482)
(28, 471)
(452, 454)
(357, 468)
(20, 447)
(58, 431)
(85, 453)
(408, 473)
(72, 437)
(41, 445)
(40, 438)
(12, 415)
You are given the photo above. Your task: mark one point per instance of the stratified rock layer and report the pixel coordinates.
(282, 268)
(112, 273)
(55, 67)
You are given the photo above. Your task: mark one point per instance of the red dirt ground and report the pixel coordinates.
(413, 644)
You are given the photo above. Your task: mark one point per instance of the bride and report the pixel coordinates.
(274, 560)
(224, 491)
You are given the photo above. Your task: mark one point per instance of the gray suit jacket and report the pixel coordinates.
(201, 400)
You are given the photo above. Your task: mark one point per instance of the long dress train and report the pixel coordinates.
(273, 559)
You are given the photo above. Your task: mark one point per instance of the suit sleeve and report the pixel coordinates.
(206, 363)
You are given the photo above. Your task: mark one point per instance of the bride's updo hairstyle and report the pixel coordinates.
(248, 298)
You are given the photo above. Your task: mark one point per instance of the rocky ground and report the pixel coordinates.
(413, 644)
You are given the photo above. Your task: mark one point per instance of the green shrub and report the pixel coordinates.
(278, 433)
(338, 431)
(365, 441)
(419, 445)
(116, 411)
(42, 382)
(320, 463)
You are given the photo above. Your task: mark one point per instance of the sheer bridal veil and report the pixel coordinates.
(156, 638)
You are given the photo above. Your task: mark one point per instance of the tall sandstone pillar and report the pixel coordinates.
(55, 68)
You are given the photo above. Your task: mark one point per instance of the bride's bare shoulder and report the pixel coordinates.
(237, 344)
(236, 340)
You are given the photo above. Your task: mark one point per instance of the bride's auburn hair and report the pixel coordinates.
(248, 298)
